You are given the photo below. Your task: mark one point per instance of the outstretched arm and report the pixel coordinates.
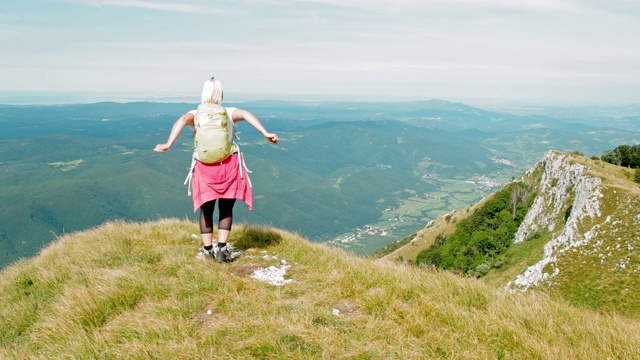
(239, 115)
(184, 120)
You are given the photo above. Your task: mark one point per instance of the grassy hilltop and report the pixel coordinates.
(134, 290)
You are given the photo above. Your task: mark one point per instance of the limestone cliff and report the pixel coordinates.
(593, 216)
(579, 239)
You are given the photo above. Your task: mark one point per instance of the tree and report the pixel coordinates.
(635, 156)
(519, 194)
(624, 154)
(611, 157)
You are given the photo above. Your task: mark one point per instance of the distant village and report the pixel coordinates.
(482, 182)
(368, 230)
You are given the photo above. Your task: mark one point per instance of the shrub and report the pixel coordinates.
(481, 270)
(255, 236)
(500, 262)
(637, 177)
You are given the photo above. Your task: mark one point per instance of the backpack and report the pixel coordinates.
(214, 134)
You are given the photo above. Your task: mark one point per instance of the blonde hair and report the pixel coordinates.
(212, 92)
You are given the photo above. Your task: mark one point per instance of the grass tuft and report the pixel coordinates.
(255, 236)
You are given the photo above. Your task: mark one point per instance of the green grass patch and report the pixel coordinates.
(516, 260)
(255, 236)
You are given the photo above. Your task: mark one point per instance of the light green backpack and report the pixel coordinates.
(214, 134)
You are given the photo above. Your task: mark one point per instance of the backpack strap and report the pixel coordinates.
(190, 176)
(242, 165)
(231, 126)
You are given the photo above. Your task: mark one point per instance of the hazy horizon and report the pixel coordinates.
(560, 52)
(71, 98)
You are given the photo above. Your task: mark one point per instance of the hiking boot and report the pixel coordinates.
(223, 254)
(205, 254)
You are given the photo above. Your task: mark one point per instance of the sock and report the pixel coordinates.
(221, 245)
(208, 247)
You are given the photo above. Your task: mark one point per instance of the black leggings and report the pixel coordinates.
(225, 216)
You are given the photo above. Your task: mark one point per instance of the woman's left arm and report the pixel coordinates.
(240, 114)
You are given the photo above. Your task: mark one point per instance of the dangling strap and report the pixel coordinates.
(242, 165)
(231, 129)
(190, 176)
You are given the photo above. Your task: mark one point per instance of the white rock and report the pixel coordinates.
(272, 275)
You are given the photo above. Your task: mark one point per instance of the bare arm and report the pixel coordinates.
(239, 115)
(184, 120)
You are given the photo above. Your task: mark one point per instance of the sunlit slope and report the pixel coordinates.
(580, 238)
(135, 290)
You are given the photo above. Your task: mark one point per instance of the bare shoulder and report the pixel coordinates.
(240, 114)
(188, 118)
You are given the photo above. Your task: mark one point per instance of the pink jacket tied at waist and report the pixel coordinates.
(226, 180)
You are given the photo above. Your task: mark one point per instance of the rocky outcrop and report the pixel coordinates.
(567, 196)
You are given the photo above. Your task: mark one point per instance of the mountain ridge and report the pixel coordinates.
(579, 239)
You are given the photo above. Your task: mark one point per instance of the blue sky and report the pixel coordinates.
(531, 51)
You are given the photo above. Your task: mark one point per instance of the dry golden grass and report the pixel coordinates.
(135, 291)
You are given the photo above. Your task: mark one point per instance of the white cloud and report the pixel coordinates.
(180, 7)
(408, 5)
(8, 32)
(610, 7)
(179, 46)
(226, 7)
(562, 6)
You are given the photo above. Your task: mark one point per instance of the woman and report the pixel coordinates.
(225, 181)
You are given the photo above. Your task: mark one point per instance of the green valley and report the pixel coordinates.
(357, 175)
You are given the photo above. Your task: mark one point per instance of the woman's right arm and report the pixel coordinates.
(184, 120)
